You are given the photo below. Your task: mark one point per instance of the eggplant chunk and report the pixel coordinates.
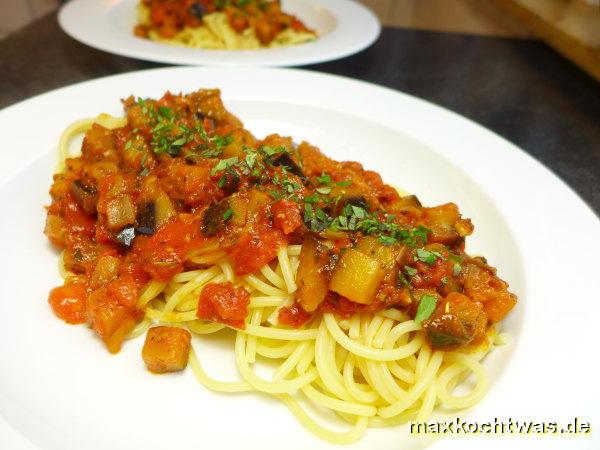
(85, 195)
(145, 220)
(284, 159)
(126, 236)
(313, 274)
(120, 212)
(166, 349)
(212, 219)
(457, 321)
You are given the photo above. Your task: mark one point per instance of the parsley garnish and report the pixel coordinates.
(456, 269)
(426, 307)
(324, 179)
(428, 257)
(224, 164)
(410, 270)
(227, 214)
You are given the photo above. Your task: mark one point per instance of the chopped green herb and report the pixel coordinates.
(344, 183)
(427, 257)
(323, 190)
(223, 164)
(227, 214)
(426, 307)
(457, 268)
(410, 271)
(324, 179)
(308, 212)
(128, 145)
(387, 240)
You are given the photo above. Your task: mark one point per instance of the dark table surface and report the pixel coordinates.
(520, 89)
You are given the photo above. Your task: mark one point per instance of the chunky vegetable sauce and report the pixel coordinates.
(169, 17)
(184, 174)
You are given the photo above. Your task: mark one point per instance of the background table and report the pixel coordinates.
(520, 89)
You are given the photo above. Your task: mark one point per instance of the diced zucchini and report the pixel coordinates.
(163, 210)
(356, 277)
(312, 276)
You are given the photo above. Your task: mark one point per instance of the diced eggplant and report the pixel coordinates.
(120, 212)
(360, 202)
(166, 349)
(212, 219)
(313, 274)
(145, 220)
(85, 195)
(284, 159)
(198, 10)
(230, 184)
(350, 200)
(126, 236)
(457, 321)
(409, 201)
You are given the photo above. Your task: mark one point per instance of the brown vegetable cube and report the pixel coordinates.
(166, 349)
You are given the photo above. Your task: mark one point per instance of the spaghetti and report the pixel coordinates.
(370, 364)
(220, 25)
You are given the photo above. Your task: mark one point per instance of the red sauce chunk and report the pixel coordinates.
(224, 303)
(256, 248)
(286, 216)
(294, 315)
(68, 302)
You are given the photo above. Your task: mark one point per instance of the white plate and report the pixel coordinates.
(60, 389)
(344, 27)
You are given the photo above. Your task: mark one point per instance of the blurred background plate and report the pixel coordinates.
(344, 28)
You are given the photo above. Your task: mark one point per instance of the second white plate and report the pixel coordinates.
(344, 27)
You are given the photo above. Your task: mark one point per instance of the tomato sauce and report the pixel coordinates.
(224, 303)
(69, 302)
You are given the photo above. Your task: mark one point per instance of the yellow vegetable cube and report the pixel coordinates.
(357, 277)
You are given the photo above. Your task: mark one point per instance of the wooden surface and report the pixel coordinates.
(571, 27)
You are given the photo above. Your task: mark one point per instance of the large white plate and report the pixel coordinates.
(344, 27)
(60, 389)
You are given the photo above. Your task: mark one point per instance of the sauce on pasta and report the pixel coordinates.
(178, 214)
(228, 24)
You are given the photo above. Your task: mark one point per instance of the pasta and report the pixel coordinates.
(234, 25)
(369, 364)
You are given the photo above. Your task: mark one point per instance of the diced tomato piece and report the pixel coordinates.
(255, 249)
(345, 308)
(294, 315)
(68, 302)
(78, 221)
(286, 215)
(221, 302)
